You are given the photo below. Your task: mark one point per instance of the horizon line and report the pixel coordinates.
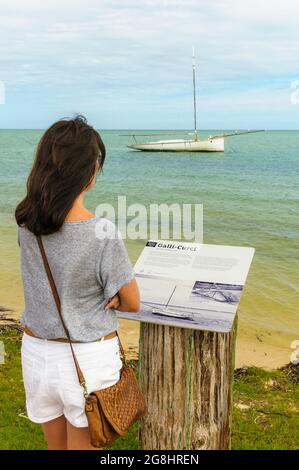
(152, 129)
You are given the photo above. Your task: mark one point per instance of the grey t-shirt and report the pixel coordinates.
(89, 264)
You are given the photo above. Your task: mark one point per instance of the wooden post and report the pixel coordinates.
(186, 377)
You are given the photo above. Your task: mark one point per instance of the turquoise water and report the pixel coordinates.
(250, 196)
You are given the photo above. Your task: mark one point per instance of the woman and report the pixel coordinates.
(93, 276)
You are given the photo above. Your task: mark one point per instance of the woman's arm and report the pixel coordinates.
(127, 299)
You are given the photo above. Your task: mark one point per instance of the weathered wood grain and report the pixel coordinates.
(186, 376)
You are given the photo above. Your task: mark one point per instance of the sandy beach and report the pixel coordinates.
(253, 348)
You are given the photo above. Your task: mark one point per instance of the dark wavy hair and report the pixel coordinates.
(68, 157)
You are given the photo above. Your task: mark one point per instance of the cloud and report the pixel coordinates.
(72, 52)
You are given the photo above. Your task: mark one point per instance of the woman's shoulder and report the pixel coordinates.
(103, 230)
(23, 232)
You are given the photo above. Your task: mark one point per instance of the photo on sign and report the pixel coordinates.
(216, 292)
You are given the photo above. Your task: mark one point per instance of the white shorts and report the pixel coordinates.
(50, 378)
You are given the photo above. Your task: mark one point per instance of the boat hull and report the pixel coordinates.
(212, 145)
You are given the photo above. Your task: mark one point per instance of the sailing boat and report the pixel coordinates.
(195, 144)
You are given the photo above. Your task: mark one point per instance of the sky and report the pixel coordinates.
(127, 64)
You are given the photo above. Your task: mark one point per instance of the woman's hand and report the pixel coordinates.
(113, 303)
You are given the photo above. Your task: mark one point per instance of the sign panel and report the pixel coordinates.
(190, 285)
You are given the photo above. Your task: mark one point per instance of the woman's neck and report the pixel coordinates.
(78, 211)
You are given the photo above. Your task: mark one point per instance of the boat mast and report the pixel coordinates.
(194, 94)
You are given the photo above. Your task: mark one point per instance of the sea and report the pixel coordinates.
(250, 197)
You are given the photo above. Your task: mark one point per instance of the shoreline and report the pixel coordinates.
(251, 350)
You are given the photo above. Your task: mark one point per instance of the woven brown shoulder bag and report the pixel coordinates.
(110, 411)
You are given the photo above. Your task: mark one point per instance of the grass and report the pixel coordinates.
(265, 413)
(266, 410)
